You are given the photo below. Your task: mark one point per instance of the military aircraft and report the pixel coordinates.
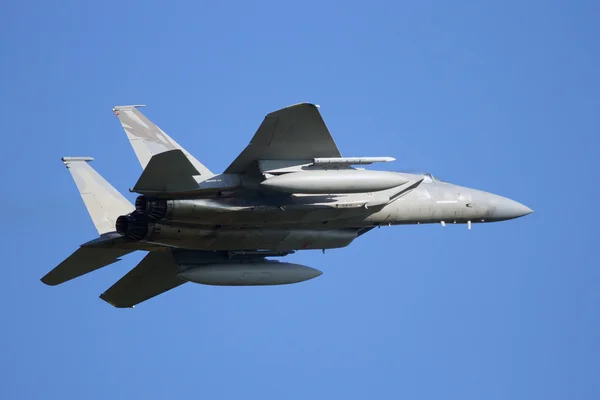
(290, 189)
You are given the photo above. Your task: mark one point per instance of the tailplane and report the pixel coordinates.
(83, 261)
(104, 204)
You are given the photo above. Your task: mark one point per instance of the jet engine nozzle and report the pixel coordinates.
(140, 204)
(121, 225)
(134, 226)
(153, 209)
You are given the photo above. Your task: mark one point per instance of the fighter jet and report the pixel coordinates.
(290, 189)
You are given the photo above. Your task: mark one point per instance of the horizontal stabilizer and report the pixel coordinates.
(170, 171)
(114, 240)
(103, 202)
(83, 261)
(155, 274)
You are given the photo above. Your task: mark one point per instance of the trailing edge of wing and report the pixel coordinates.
(147, 139)
(155, 274)
(296, 132)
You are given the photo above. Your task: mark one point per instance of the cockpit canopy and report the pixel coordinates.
(430, 178)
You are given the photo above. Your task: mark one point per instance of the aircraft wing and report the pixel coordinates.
(155, 274)
(297, 132)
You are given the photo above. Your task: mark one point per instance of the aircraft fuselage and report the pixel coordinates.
(288, 223)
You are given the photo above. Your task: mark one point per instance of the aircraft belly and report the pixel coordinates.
(222, 239)
(241, 240)
(274, 217)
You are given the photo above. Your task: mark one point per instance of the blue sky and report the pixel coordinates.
(500, 96)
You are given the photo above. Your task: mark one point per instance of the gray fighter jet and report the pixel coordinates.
(289, 190)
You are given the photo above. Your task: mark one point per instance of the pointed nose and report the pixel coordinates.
(508, 209)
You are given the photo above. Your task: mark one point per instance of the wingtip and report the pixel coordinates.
(47, 281)
(127, 107)
(305, 103)
(67, 160)
(297, 105)
(115, 305)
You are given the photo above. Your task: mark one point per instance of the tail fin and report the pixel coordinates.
(147, 139)
(103, 202)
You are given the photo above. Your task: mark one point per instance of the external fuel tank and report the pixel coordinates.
(334, 181)
(254, 273)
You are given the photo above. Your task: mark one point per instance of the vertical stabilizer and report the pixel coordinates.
(103, 202)
(147, 139)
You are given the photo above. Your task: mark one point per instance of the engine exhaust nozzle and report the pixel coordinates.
(153, 209)
(134, 226)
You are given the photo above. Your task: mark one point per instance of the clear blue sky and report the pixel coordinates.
(503, 97)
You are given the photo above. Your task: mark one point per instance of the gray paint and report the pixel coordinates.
(155, 274)
(254, 273)
(293, 133)
(224, 239)
(289, 190)
(103, 202)
(170, 171)
(334, 181)
(148, 140)
(83, 261)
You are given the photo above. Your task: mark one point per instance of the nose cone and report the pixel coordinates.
(508, 209)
